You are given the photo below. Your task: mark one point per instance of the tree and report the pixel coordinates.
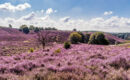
(24, 29)
(74, 29)
(22, 26)
(49, 28)
(87, 36)
(43, 38)
(75, 37)
(10, 26)
(31, 27)
(82, 37)
(41, 28)
(36, 29)
(98, 38)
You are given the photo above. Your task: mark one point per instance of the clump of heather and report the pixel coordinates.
(120, 62)
(88, 62)
(117, 75)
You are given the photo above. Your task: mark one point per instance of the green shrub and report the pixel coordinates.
(98, 38)
(31, 50)
(36, 30)
(75, 37)
(82, 37)
(67, 45)
(24, 29)
(87, 36)
(57, 51)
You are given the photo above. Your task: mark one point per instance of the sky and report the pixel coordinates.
(83, 15)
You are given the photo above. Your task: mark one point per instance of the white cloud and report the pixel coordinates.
(108, 13)
(111, 24)
(49, 11)
(65, 19)
(29, 16)
(12, 8)
(42, 11)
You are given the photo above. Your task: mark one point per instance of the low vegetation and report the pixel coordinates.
(57, 51)
(98, 38)
(82, 40)
(67, 45)
(62, 55)
(75, 37)
(31, 50)
(87, 36)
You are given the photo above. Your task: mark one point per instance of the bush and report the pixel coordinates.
(10, 26)
(87, 36)
(36, 29)
(24, 29)
(82, 37)
(98, 38)
(31, 50)
(75, 37)
(57, 51)
(31, 27)
(67, 45)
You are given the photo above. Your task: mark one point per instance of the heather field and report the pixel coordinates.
(64, 39)
(23, 58)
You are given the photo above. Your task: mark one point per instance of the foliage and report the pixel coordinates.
(36, 29)
(57, 51)
(75, 37)
(31, 27)
(10, 26)
(31, 50)
(67, 45)
(98, 38)
(24, 29)
(50, 28)
(101, 60)
(82, 37)
(74, 29)
(87, 36)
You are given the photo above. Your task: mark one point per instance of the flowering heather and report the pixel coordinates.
(95, 61)
(80, 62)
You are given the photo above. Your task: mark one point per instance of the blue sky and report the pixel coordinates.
(80, 8)
(76, 11)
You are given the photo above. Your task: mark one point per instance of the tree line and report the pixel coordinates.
(25, 29)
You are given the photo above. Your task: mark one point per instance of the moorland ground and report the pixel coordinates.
(81, 62)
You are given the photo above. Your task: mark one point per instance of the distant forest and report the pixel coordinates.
(125, 36)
